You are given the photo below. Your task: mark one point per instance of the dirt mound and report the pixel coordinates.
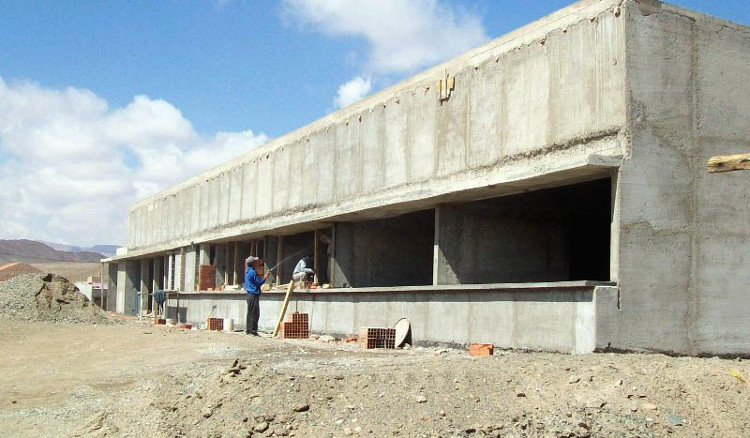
(46, 297)
(15, 269)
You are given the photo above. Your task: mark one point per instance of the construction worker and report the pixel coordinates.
(253, 282)
(303, 272)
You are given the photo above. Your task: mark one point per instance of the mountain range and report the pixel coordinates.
(31, 251)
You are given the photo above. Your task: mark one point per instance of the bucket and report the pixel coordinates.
(228, 325)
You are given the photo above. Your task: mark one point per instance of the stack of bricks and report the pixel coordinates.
(206, 277)
(216, 324)
(297, 328)
(377, 337)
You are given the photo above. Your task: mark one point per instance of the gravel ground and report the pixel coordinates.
(134, 379)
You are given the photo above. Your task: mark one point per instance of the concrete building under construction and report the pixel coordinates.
(545, 191)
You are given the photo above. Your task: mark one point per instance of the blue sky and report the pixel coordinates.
(201, 80)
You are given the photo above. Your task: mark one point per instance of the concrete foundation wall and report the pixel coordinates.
(684, 240)
(534, 102)
(557, 317)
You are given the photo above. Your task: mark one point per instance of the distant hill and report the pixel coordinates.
(107, 250)
(30, 251)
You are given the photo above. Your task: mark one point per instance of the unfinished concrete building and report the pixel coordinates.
(545, 191)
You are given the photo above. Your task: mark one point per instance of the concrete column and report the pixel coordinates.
(448, 230)
(127, 273)
(179, 259)
(190, 256)
(170, 267)
(145, 286)
(110, 303)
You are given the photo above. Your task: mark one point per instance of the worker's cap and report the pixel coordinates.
(251, 259)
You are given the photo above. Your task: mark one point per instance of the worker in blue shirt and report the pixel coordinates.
(253, 282)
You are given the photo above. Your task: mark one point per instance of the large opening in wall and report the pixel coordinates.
(293, 248)
(557, 234)
(396, 251)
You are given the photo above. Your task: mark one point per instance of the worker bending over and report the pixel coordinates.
(303, 272)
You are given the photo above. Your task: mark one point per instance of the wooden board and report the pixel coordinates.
(729, 163)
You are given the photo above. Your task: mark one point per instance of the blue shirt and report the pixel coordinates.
(253, 281)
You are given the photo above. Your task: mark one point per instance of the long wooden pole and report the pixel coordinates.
(283, 307)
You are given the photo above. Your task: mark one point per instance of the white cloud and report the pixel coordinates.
(352, 91)
(404, 35)
(71, 166)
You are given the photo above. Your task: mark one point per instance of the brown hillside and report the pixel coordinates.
(14, 269)
(30, 251)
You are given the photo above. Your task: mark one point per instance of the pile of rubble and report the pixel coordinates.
(46, 297)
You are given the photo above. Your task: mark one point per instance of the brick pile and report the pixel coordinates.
(206, 277)
(216, 324)
(297, 328)
(377, 337)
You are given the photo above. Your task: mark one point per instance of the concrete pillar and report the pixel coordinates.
(191, 254)
(448, 230)
(127, 274)
(110, 303)
(179, 260)
(170, 269)
(145, 286)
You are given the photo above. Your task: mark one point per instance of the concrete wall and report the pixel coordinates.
(684, 240)
(540, 100)
(385, 252)
(553, 316)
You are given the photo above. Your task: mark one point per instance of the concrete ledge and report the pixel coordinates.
(552, 316)
(552, 285)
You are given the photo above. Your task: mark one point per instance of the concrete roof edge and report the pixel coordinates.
(517, 38)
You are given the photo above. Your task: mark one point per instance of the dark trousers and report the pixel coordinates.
(253, 313)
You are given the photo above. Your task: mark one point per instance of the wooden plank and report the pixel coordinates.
(283, 308)
(729, 163)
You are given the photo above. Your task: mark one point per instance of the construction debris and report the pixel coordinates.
(481, 349)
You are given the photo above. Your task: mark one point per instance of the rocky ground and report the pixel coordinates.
(134, 379)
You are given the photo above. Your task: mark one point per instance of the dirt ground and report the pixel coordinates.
(132, 379)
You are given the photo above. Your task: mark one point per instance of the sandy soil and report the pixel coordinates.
(132, 379)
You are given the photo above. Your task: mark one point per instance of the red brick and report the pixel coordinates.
(481, 349)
